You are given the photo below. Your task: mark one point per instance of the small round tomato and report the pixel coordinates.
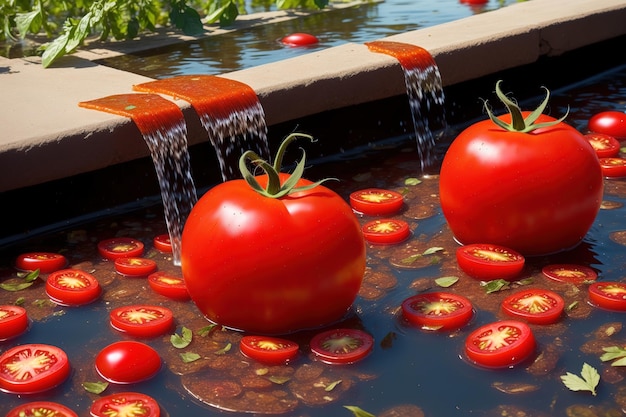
(72, 287)
(610, 123)
(574, 274)
(608, 295)
(125, 404)
(32, 368)
(299, 39)
(163, 243)
(376, 201)
(142, 320)
(127, 362)
(438, 310)
(386, 231)
(342, 345)
(270, 350)
(535, 306)
(168, 285)
(41, 409)
(13, 321)
(135, 267)
(613, 167)
(46, 262)
(488, 262)
(120, 247)
(500, 344)
(605, 146)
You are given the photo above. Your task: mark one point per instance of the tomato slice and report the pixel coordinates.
(46, 262)
(135, 267)
(142, 320)
(574, 274)
(163, 243)
(120, 247)
(535, 306)
(41, 409)
(376, 201)
(342, 346)
(269, 350)
(488, 262)
(125, 404)
(605, 145)
(168, 285)
(127, 362)
(32, 368)
(299, 39)
(613, 167)
(609, 295)
(500, 344)
(438, 310)
(72, 287)
(386, 231)
(13, 321)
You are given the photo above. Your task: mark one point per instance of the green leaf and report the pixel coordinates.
(280, 380)
(224, 350)
(55, 49)
(495, 285)
(206, 330)
(189, 357)
(412, 181)
(17, 286)
(614, 352)
(332, 385)
(432, 250)
(446, 282)
(358, 412)
(589, 381)
(32, 276)
(95, 387)
(183, 340)
(28, 22)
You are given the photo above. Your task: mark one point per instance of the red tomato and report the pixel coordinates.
(613, 167)
(120, 247)
(270, 350)
(535, 306)
(575, 274)
(500, 344)
(376, 202)
(517, 189)
(604, 145)
(168, 285)
(125, 404)
(386, 231)
(342, 345)
(46, 262)
(608, 295)
(135, 267)
(299, 39)
(611, 123)
(72, 287)
(127, 362)
(41, 409)
(163, 243)
(438, 310)
(32, 368)
(489, 262)
(142, 320)
(13, 321)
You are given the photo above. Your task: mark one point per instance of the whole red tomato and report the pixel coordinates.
(525, 181)
(272, 265)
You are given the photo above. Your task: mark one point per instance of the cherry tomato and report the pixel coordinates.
(168, 285)
(125, 404)
(500, 344)
(489, 262)
(611, 123)
(535, 306)
(608, 295)
(605, 146)
(386, 231)
(72, 287)
(575, 274)
(613, 167)
(342, 345)
(299, 39)
(376, 201)
(163, 243)
(438, 310)
(13, 321)
(120, 247)
(41, 409)
(270, 350)
(142, 320)
(32, 368)
(135, 267)
(127, 362)
(46, 262)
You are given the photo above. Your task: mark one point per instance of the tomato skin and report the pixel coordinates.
(299, 39)
(605, 146)
(519, 339)
(510, 188)
(575, 274)
(168, 285)
(613, 167)
(142, 320)
(135, 267)
(386, 231)
(489, 262)
(120, 247)
(13, 321)
(127, 362)
(454, 311)
(49, 364)
(535, 306)
(46, 262)
(609, 295)
(41, 409)
(163, 243)
(72, 287)
(611, 123)
(275, 258)
(341, 346)
(125, 404)
(376, 201)
(269, 350)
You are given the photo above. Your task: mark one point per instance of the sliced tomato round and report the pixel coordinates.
(127, 362)
(386, 231)
(125, 404)
(163, 243)
(269, 350)
(142, 320)
(613, 167)
(13, 321)
(169, 285)
(41, 409)
(610, 295)
(72, 287)
(500, 344)
(120, 247)
(32, 368)
(45, 262)
(135, 267)
(535, 306)
(376, 201)
(605, 145)
(488, 262)
(342, 346)
(571, 273)
(299, 39)
(438, 310)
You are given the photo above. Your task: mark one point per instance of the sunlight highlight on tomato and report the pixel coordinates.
(119, 247)
(125, 404)
(72, 287)
(571, 273)
(608, 295)
(168, 285)
(342, 346)
(610, 123)
(13, 321)
(489, 262)
(41, 409)
(270, 350)
(500, 344)
(386, 231)
(438, 311)
(46, 262)
(376, 201)
(127, 362)
(32, 368)
(535, 306)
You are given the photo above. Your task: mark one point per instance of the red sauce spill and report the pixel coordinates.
(409, 56)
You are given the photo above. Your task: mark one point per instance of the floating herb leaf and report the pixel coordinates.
(446, 282)
(15, 286)
(358, 412)
(589, 381)
(432, 250)
(279, 379)
(495, 285)
(572, 306)
(203, 332)
(412, 181)
(224, 350)
(180, 341)
(95, 387)
(614, 352)
(189, 357)
(332, 385)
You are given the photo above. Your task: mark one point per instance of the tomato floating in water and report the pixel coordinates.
(299, 39)
(125, 404)
(613, 167)
(32, 368)
(13, 321)
(41, 409)
(535, 306)
(135, 267)
(500, 344)
(45, 262)
(506, 181)
(489, 262)
(127, 362)
(72, 287)
(386, 231)
(608, 295)
(575, 274)
(142, 320)
(342, 346)
(376, 201)
(270, 350)
(605, 146)
(438, 310)
(169, 285)
(163, 243)
(611, 123)
(120, 247)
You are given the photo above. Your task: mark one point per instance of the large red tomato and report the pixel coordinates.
(534, 186)
(272, 265)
